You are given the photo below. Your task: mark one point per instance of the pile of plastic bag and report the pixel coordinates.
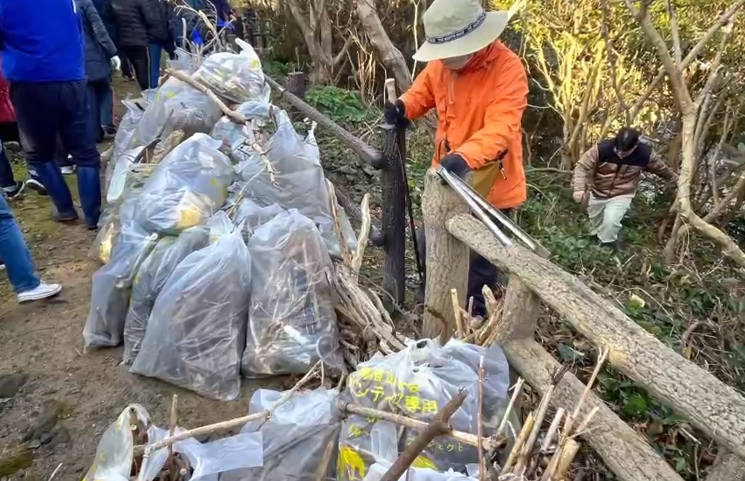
(299, 439)
(419, 381)
(292, 322)
(115, 459)
(196, 331)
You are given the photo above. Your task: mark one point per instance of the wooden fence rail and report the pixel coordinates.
(710, 405)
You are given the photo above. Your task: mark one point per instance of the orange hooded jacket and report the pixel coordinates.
(480, 111)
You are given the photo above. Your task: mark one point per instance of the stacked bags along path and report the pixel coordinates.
(217, 258)
(308, 437)
(217, 265)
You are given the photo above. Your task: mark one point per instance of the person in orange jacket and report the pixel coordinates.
(479, 89)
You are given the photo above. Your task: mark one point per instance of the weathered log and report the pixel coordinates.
(712, 406)
(622, 449)
(447, 257)
(366, 152)
(727, 467)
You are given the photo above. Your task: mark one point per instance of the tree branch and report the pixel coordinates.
(677, 51)
(438, 427)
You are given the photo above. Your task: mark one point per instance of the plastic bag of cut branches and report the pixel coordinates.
(297, 180)
(112, 285)
(150, 279)
(253, 216)
(188, 187)
(299, 439)
(419, 381)
(237, 77)
(232, 135)
(196, 330)
(125, 132)
(292, 322)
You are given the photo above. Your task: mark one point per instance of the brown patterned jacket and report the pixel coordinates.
(608, 175)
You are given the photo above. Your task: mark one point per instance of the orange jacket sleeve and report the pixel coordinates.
(420, 98)
(503, 118)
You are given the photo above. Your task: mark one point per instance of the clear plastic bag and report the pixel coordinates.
(253, 216)
(237, 77)
(232, 134)
(122, 165)
(150, 279)
(378, 470)
(187, 188)
(112, 284)
(184, 61)
(125, 132)
(299, 439)
(292, 322)
(190, 111)
(239, 452)
(197, 327)
(419, 381)
(115, 452)
(298, 182)
(153, 121)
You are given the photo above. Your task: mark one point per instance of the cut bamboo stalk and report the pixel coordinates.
(456, 312)
(515, 395)
(552, 430)
(521, 438)
(565, 460)
(539, 416)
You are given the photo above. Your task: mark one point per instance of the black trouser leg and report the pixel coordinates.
(140, 60)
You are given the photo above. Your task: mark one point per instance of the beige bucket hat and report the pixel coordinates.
(458, 27)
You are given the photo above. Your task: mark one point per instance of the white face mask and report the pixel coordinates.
(457, 63)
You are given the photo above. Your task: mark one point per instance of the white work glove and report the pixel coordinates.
(115, 63)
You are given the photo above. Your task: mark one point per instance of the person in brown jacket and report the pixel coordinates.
(607, 176)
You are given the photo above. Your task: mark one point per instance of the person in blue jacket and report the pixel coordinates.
(43, 53)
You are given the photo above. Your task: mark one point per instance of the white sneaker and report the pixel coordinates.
(43, 291)
(68, 169)
(2, 267)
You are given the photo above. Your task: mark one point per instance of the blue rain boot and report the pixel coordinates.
(89, 188)
(51, 177)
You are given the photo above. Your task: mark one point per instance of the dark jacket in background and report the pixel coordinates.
(222, 8)
(133, 20)
(98, 45)
(103, 7)
(159, 31)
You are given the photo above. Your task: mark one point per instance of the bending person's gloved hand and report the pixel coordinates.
(115, 62)
(395, 113)
(456, 164)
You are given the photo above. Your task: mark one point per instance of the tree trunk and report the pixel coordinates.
(391, 57)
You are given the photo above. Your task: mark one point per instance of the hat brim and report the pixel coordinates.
(482, 37)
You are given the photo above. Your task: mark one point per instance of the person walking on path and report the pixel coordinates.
(9, 133)
(15, 258)
(160, 37)
(134, 19)
(479, 89)
(44, 61)
(606, 179)
(100, 59)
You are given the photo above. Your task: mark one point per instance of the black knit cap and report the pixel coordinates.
(626, 139)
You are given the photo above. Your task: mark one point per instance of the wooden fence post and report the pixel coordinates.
(447, 258)
(393, 200)
(296, 84)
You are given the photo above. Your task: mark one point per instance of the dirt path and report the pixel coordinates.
(67, 397)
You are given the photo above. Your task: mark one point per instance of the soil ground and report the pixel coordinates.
(70, 397)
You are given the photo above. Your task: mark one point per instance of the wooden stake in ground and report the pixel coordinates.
(438, 427)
